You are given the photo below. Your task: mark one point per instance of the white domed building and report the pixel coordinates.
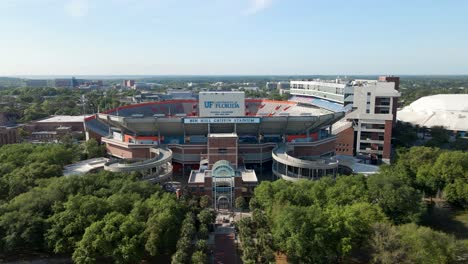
(447, 110)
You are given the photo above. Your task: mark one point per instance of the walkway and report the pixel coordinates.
(225, 248)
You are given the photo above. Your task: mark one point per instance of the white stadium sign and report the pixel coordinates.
(238, 120)
(221, 104)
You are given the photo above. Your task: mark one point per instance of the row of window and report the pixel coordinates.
(342, 150)
(336, 90)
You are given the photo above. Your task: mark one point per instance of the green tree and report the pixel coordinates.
(347, 190)
(205, 201)
(206, 216)
(386, 245)
(117, 237)
(93, 149)
(240, 203)
(414, 244)
(399, 201)
(451, 165)
(457, 193)
(70, 220)
(199, 257)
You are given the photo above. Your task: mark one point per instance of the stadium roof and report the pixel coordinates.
(166, 118)
(447, 110)
(63, 118)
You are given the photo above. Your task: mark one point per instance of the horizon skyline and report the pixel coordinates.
(149, 76)
(227, 37)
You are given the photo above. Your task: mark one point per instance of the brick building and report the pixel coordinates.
(220, 177)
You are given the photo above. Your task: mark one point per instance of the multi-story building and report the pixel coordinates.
(128, 83)
(63, 83)
(220, 177)
(53, 128)
(277, 85)
(8, 135)
(370, 107)
(36, 83)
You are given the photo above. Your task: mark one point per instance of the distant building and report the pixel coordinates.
(128, 83)
(250, 88)
(180, 95)
(53, 128)
(8, 119)
(140, 86)
(283, 86)
(8, 135)
(146, 97)
(371, 105)
(63, 83)
(76, 123)
(36, 83)
(271, 85)
(77, 83)
(277, 86)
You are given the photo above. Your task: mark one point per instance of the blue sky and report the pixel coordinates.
(102, 37)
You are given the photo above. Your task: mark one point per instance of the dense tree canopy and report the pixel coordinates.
(327, 220)
(318, 221)
(103, 216)
(431, 170)
(416, 245)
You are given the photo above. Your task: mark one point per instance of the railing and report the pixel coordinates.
(280, 155)
(163, 156)
(159, 176)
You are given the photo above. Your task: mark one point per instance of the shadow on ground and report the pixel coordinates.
(447, 219)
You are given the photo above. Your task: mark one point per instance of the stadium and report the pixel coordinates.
(188, 137)
(446, 110)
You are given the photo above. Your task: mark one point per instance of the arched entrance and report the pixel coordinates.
(223, 203)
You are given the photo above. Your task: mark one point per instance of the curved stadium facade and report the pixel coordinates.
(158, 137)
(297, 139)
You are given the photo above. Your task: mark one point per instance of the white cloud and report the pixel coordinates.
(257, 6)
(77, 8)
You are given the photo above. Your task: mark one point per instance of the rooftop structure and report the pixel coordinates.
(447, 110)
(63, 119)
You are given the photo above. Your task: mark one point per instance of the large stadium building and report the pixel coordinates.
(159, 138)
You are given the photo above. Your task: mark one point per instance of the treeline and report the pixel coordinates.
(406, 135)
(369, 218)
(95, 218)
(24, 166)
(334, 221)
(192, 246)
(35, 103)
(414, 88)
